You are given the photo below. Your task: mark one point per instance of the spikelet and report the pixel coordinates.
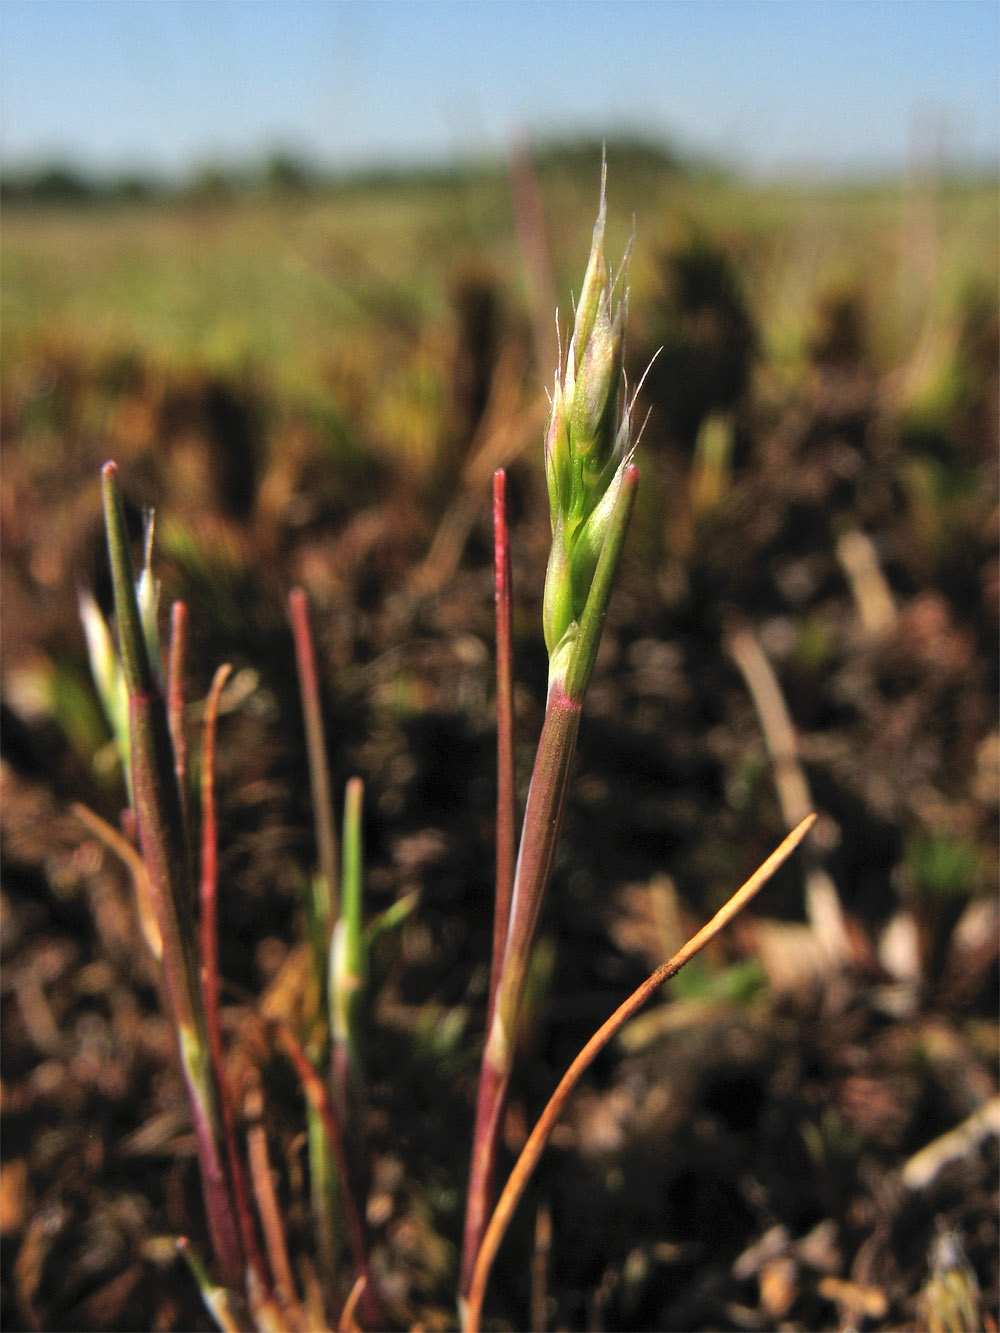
(588, 446)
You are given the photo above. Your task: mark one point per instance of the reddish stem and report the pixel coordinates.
(543, 817)
(176, 680)
(209, 882)
(492, 1097)
(161, 836)
(319, 771)
(539, 839)
(505, 830)
(210, 982)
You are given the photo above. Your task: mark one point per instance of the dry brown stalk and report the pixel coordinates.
(823, 908)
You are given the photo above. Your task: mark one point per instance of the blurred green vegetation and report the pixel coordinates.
(942, 865)
(315, 287)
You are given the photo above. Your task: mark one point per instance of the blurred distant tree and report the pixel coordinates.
(213, 184)
(52, 183)
(289, 173)
(626, 155)
(133, 187)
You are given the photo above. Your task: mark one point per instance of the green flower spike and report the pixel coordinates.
(588, 454)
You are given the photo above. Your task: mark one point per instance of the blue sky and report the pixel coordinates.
(774, 86)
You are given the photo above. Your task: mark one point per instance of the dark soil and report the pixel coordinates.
(739, 1159)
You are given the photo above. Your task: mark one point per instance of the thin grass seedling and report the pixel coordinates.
(180, 926)
(109, 680)
(347, 1323)
(209, 945)
(340, 946)
(160, 820)
(321, 908)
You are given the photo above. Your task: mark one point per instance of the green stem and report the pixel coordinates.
(348, 967)
(324, 1198)
(316, 1091)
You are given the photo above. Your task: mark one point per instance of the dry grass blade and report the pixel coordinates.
(533, 1149)
(347, 1322)
(118, 844)
(271, 1221)
(823, 906)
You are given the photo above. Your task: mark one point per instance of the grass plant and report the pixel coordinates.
(249, 1281)
(591, 484)
(156, 803)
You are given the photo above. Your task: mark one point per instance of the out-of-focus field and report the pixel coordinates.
(290, 288)
(314, 389)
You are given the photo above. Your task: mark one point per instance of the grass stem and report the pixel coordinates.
(210, 979)
(176, 681)
(592, 483)
(506, 836)
(319, 770)
(348, 970)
